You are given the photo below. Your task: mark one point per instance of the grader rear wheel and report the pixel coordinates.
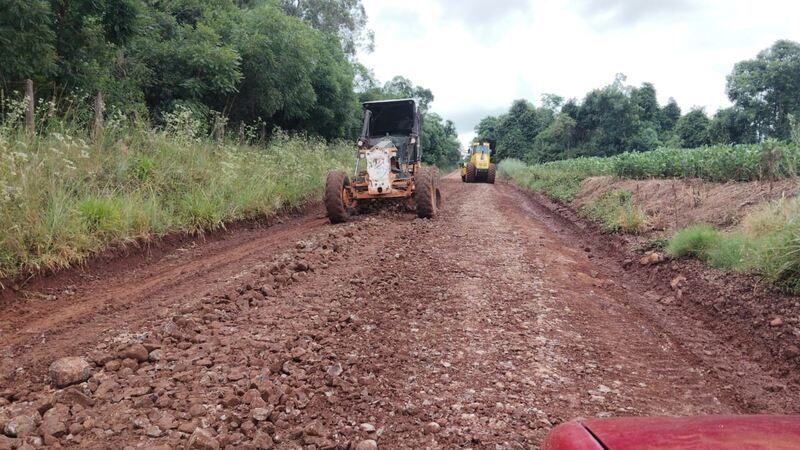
(427, 196)
(492, 172)
(337, 197)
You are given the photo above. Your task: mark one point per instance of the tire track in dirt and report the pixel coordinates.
(480, 329)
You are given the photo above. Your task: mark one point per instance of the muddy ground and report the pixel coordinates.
(483, 328)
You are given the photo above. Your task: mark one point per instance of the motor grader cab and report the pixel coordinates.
(387, 164)
(479, 165)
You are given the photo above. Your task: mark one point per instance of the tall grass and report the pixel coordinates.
(559, 181)
(64, 196)
(616, 211)
(767, 242)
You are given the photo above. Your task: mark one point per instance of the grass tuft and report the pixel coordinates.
(616, 211)
(696, 240)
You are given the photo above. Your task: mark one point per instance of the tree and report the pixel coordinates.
(87, 37)
(401, 87)
(646, 100)
(608, 121)
(345, 20)
(552, 102)
(518, 128)
(183, 62)
(669, 115)
(440, 144)
(486, 130)
(27, 40)
(555, 141)
(692, 129)
(768, 88)
(732, 126)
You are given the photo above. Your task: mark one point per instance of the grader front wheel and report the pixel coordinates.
(427, 196)
(337, 197)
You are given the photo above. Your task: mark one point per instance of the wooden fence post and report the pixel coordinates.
(219, 127)
(30, 124)
(99, 109)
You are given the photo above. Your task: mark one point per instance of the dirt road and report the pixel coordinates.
(481, 329)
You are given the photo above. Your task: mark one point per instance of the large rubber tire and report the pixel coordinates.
(472, 173)
(427, 195)
(336, 197)
(492, 173)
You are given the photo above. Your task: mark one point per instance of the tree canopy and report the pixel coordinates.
(620, 118)
(282, 63)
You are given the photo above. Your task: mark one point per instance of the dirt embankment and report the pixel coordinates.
(739, 306)
(481, 329)
(675, 204)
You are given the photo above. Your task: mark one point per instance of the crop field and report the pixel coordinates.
(561, 179)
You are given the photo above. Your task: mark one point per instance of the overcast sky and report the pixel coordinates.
(478, 56)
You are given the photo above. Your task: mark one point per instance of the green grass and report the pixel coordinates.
(561, 183)
(696, 240)
(767, 242)
(616, 211)
(64, 197)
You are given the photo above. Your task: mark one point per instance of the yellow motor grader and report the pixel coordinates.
(479, 165)
(389, 147)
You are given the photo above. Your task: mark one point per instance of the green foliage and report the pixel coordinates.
(345, 20)
(559, 181)
(768, 88)
(486, 130)
(668, 116)
(692, 129)
(517, 130)
(616, 211)
(557, 139)
(696, 240)
(280, 63)
(732, 125)
(619, 118)
(64, 198)
(26, 40)
(768, 243)
(440, 142)
(102, 215)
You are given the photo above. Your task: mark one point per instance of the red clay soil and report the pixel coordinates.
(672, 204)
(483, 328)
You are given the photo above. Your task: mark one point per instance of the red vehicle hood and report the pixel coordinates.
(707, 433)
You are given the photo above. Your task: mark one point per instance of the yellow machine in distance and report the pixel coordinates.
(479, 165)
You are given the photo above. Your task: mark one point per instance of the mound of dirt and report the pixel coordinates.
(674, 204)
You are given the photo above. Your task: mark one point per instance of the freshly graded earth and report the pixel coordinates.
(482, 329)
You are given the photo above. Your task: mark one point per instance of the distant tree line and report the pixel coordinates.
(765, 93)
(281, 63)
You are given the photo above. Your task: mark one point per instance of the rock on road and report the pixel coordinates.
(482, 328)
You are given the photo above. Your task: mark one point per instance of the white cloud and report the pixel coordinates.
(478, 56)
